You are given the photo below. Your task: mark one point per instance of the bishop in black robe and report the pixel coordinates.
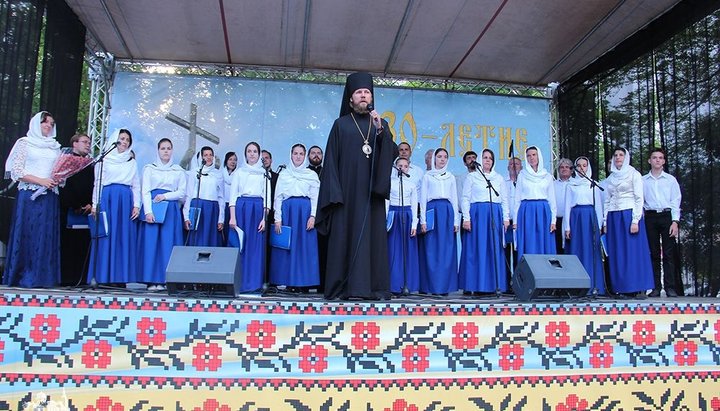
(351, 204)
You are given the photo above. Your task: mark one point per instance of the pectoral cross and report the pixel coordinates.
(194, 130)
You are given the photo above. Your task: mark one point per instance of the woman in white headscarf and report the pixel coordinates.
(581, 225)
(535, 209)
(485, 218)
(33, 251)
(402, 234)
(206, 202)
(165, 181)
(229, 167)
(249, 196)
(438, 247)
(629, 254)
(116, 195)
(296, 196)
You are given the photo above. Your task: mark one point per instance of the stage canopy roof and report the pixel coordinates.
(509, 41)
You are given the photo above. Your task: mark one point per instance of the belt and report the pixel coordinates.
(664, 210)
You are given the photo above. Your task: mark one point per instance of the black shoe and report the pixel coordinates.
(654, 293)
(670, 292)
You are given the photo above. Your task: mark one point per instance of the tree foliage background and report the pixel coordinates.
(669, 98)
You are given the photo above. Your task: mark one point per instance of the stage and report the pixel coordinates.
(122, 350)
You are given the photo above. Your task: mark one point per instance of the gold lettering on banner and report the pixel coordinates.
(448, 139)
(494, 137)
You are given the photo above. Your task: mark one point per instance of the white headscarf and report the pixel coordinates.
(256, 168)
(619, 174)
(115, 156)
(531, 176)
(439, 173)
(33, 138)
(206, 169)
(160, 166)
(292, 175)
(490, 174)
(227, 174)
(579, 180)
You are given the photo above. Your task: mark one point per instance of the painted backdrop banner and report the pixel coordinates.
(227, 113)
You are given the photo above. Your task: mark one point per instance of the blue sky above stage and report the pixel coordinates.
(278, 114)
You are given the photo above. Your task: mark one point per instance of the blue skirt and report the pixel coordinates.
(585, 244)
(533, 228)
(403, 271)
(438, 256)
(33, 251)
(248, 214)
(157, 242)
(628, 254)
(207, 234)
(482, 259)
(299, 266)
(113, 258)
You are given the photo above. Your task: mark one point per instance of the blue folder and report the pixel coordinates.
(76, 221)
(98, 225)
(603, 245)
(389, 220)
(159, 210)
(281, 240)
(194, 217)
(430, 219)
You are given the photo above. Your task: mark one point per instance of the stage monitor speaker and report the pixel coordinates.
(550, 275)
(211, 270)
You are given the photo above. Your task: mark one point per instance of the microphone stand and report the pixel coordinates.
(195, 222)
(493, 233)
(404, 291)
(267, 201)
(596, 247)
(98, 209)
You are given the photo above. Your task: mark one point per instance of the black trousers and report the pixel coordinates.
(657, 226)
(559, 234)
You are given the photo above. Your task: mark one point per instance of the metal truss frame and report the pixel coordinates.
(101, 71)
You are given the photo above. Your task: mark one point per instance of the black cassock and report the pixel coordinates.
(75, 244)
(351, 209)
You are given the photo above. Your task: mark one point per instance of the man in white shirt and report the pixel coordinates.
(564, 172)
(662, 216)
(416, 173)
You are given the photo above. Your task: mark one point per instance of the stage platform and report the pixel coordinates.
(103, 350)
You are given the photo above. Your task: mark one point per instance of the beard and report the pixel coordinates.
(315, 161)
(359, 108)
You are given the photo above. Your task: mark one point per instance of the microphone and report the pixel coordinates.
(282, 166)
(400, 172)
(200, 171)
(370, 107)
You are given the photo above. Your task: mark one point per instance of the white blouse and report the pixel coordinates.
(542, 190)
(246, 184)
(582, 194)
(117, 173)
(299, 188)
(172, 180)
(624, 194)
(436, 189)
(475, 190)
(212, 187)
(33, 161)
(409, 197)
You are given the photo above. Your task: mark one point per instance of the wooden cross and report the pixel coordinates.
(194, 130)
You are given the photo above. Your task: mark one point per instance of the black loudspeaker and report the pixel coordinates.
(212, 270)
(550, 275)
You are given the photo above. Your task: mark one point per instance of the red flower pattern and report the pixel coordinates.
(601, 355)
(572, 403)
(415, 358)
(212, 404)
(151, 332)
(2, 347)
(644, 332)
(261, 334)
(96, 354)
(45, 329)
(715, 404)
(207, 356)
(365, 336)
(402, 405)
(105, 404)
(511, 357)
(686, 353)
(557, 334)
(313, 358)
(465, 336)
(717, 331)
